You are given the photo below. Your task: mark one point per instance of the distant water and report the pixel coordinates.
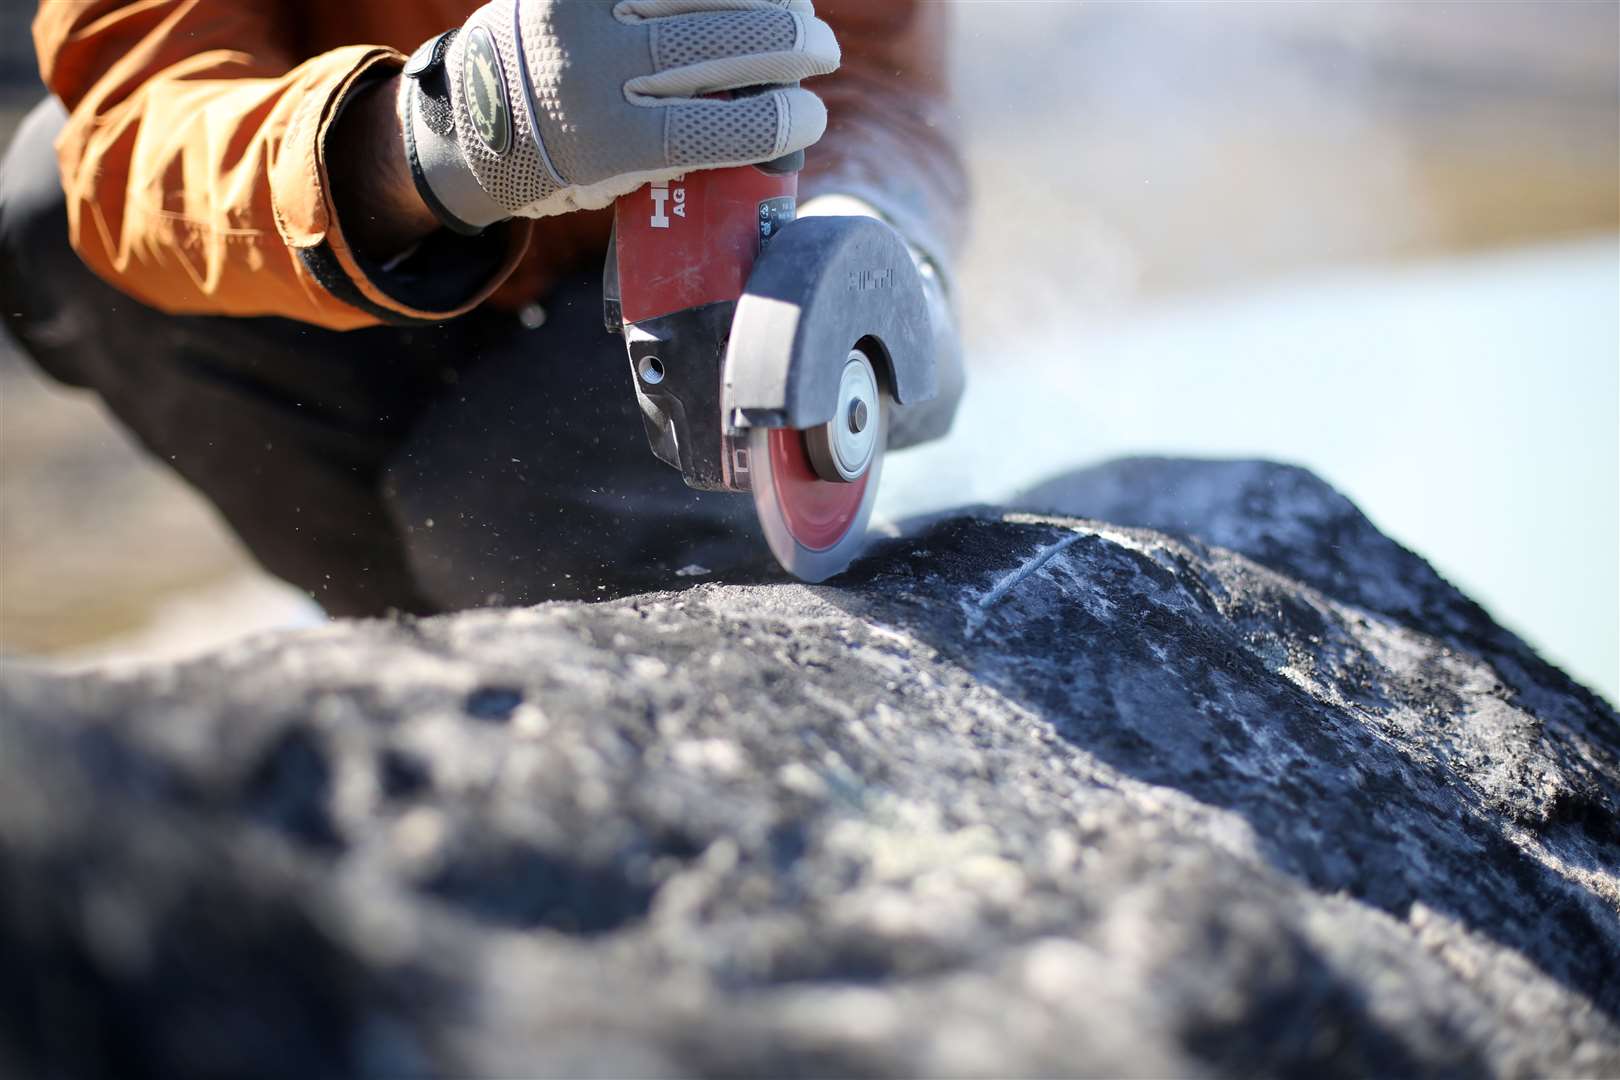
(1471, 407)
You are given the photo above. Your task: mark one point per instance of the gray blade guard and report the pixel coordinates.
(823, 286)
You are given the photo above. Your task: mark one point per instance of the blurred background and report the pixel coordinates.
(1381, 240)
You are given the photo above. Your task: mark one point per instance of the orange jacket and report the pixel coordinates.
(196, 180)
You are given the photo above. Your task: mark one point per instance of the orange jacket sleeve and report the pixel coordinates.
(193, 161)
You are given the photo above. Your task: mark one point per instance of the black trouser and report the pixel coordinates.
(425, 468)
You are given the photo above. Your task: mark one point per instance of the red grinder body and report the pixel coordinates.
(693, 240)
(682, 252)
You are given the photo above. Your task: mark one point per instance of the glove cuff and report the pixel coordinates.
(443, 178)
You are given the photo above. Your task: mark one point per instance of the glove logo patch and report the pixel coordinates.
(483, 85)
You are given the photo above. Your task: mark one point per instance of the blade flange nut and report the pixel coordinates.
(857, 416)
(841, 449)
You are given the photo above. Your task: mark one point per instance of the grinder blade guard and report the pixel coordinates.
(766, 351)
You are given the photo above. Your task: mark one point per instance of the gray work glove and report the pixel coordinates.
(540, 107)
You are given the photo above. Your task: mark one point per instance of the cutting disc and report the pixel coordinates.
(817, 527)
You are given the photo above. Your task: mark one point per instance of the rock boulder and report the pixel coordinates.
(1183, 769)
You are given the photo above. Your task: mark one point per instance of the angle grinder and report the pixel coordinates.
(768, 352)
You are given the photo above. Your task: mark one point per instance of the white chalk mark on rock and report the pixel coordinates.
(976, 616)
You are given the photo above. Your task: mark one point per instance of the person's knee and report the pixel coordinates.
(42, 278)
(33, 212)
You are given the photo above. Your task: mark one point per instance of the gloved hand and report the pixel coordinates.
(540, 107)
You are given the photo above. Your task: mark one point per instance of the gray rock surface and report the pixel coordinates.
(1232, 784)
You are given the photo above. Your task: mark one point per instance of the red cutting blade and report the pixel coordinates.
(815, 527)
